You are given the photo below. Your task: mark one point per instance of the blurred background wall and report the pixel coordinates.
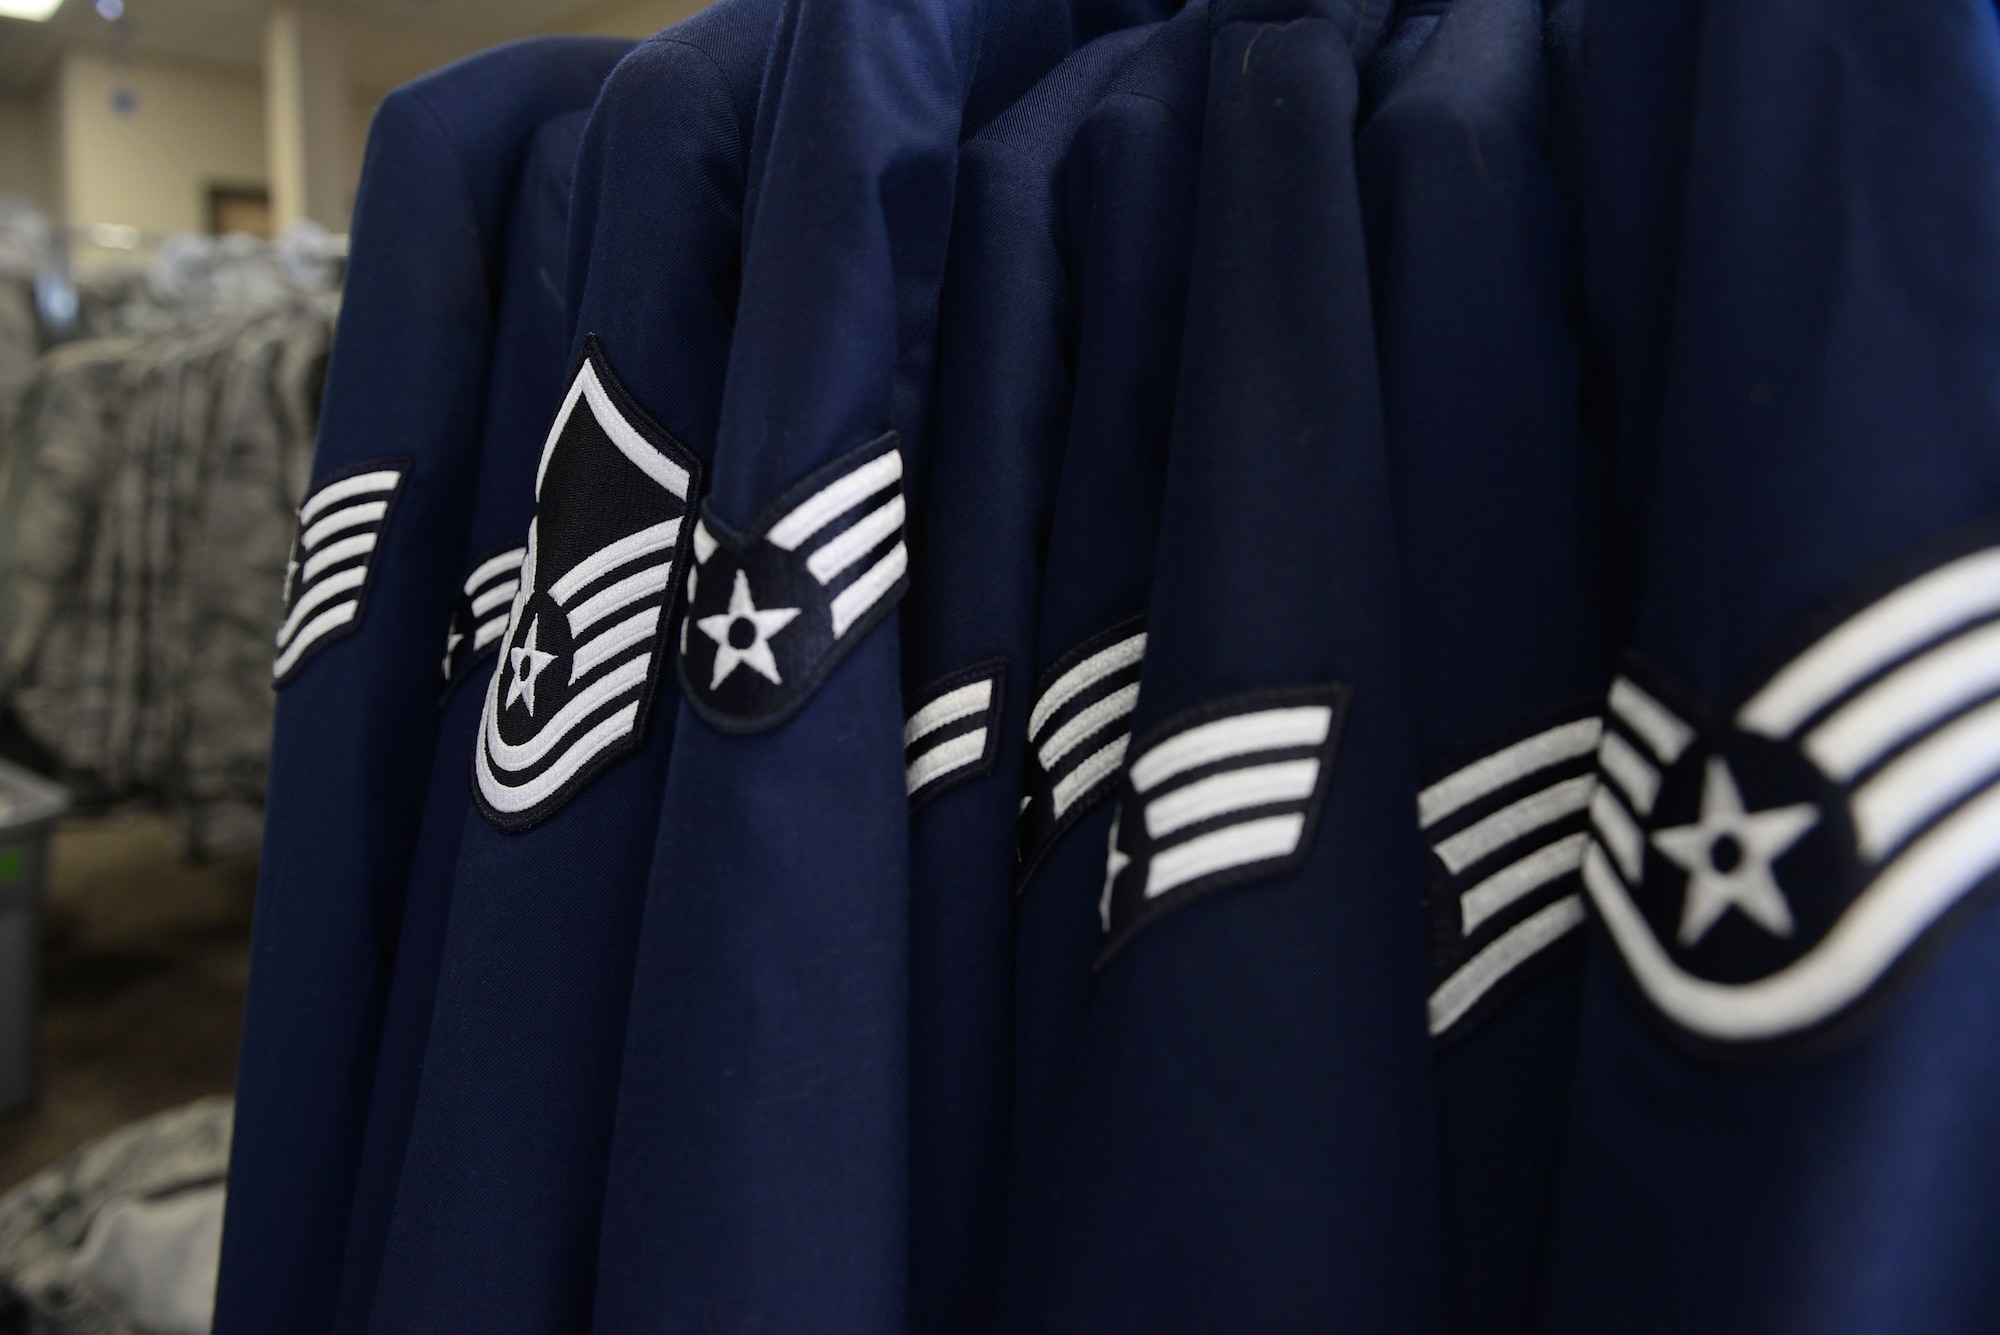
(152, 116)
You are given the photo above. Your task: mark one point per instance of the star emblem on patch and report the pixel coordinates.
(578, 616)
(774, 608)
(1761, 866)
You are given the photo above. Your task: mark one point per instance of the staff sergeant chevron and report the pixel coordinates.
(1761, 869)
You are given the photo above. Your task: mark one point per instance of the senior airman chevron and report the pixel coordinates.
(1078, 730)
(326, 583)
(480, 618)
(1220, 795)
(582, 647)
(772, 610)
(1760, 872)
(1506, 834)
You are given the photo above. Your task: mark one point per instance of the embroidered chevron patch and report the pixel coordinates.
(1079, 727)
(953, 733)
(1216, 797)
(480, 617)
(1761, 867)
(341, 525)
(772, 610)
(1506, 829)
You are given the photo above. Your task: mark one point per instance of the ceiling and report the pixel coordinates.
(390, 40)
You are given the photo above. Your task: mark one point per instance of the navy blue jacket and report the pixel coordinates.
(1008, 356)
(527, 385)
(1470, 241)
(1790, 1049)
(760, 1168)
(401, 428)
(1248, 1140)
(497, 1214)
(1129, 198)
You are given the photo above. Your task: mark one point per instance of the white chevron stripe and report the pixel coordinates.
(949, 708)
(642, 584)
(494, 567)
(1509, 886)
(1231, 790)
(1633, 774)
(857, 541)
(1657, 726)
(362, 484)
(488, 632)
(352, 516)
(1520, 943)
(854, 602)
(1098, 766)
(835, 499)
(318, 595)
(635, 546)
(1087, 723)
(1232, 846)
(952, 754)
(1515, 821)
(606, 645)
(628, 676)
(328, 620)
(498, 596)
(334, 553)
(1239, 734)
(630, 443)
(1953, 761)
(1965, 590)
(1616, 832)
(585, 749)
(1906, 702)
(1508, 765)
(1082, 677)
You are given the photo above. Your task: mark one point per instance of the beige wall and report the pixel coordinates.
(632, 18)
(193, 128)
(25, 151)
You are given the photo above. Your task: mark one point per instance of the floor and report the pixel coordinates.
(143, 976)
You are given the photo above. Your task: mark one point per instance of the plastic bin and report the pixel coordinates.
(29, 805)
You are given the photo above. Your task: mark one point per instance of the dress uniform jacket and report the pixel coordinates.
(1129, 189)
(1248, 1140)
(357, 657)
(1469, 240)
(1007, 360)
(760, 1164)
(527, 386)
(1786, 1070)
(498, 1208)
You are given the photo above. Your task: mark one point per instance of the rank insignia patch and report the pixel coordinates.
(1760, 869)
(773, 610)
(333, 559)
(1506, 828)
(582, 646)
(1219, 796)
(1079, 727)
(480, 618)
(953, 733)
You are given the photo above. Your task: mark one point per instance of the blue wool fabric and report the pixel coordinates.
(1129, 191)
(1248, 1137)
(1822, 442)
(760, 1166)
(527, 386)
(1470, 241)
(1007, 357)
(349, 771)
(496, 1219)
